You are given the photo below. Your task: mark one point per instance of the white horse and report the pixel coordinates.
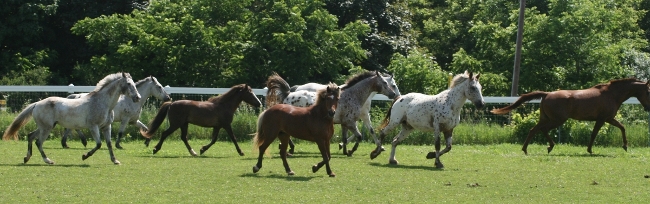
(126, 111)
(93, 111)
(437, 113)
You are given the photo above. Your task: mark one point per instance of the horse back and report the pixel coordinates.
(299, 122)
(586, 104)
(69, 113)
(201, 113)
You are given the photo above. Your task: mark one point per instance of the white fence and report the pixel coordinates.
(193, 90)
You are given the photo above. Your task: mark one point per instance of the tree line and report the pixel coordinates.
(567, 44)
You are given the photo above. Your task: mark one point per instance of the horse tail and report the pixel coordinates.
(276, 87)
(259, 140)
(387, 118)
(155, 123)
(12, 131)
(522, 99)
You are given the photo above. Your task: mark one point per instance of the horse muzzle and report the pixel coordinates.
(167, 98)
(331, 113)
(479, 104)
(136, 98)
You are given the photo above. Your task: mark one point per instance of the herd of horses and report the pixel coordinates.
(309, 112)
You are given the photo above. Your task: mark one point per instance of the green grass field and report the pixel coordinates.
(474, 173)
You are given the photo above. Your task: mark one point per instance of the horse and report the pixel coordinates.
(92, 111)
(126, 111)
(599, 103)
(354, 95)
(436, 113)
(314, 123)
(217, 112)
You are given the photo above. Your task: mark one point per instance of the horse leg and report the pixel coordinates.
(94, 131)
(107, 136)
(184, 138)
(594, 132)
(164, 136)
(324, 146)
(448, 139)
(262, 149)
(145, 128)
(531, 133)
(391, 125)
(406, 130)
(64, 138)
(119, 134)
(82, 137)
(234, 139)
(344, 139)
(284, 143)
(30, 139)
(42, 136)
(291, 147)
(215, 133)
(368, 124)
(358, 135)
(620, 126)
(436, 134)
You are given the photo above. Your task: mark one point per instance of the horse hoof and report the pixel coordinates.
(393, 162)
(116, 162)
(202, 151)
(241, 154)
(193, 153)
(84, 157)
(290, 173)
(290, 151)
(146, 143)
(525, 151)
(549, 148)
(431, 155)
(65, 147)
(155, 150)
(314, 168)
(255, 169)
(289, 154)
(625, 148)
(25, 160)
(332, 175)
(440, 166)
(340, 146)
(118, 146)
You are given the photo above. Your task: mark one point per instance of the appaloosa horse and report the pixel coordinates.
(599, 103)
(313, 123)
(437, 113)
(217, 113)
(93, 111)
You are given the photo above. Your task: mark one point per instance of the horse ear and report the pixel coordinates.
(377, 73)
(478, 76)
(471, 75)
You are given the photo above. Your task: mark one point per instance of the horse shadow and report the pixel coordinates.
(179, 157)
(401, 166)
(581, 155)
(47, 165)
(277, 176)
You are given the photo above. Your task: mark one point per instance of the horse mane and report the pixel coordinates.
(616, 81)
(358, 78)
(232, 90)
(107, 80)
(142, 81)
(458, 79)
(321, 95)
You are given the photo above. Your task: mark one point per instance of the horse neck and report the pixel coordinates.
(360, 91)
(108, 95)
(621, 93)
(455, 97)
(145, 92)
(230, 101)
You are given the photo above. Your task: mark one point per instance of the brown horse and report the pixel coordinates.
(599, 103)
(217, 113)
(314, 123)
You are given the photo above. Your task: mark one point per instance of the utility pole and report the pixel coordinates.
(520, 36)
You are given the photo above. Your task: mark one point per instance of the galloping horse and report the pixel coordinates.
(313, 123)
(126, 111)
(353, 97)
(437, 113)
(217, 112)
(93, 111)
(599, 103)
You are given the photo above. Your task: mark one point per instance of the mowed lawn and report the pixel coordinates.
(476, 174)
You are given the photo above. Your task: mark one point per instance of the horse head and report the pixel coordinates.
(158, 90)
(391, 82)
(249, 96)
(129, 89)
(331, 97)
(643, 95)
(473, 91)
(384, 87)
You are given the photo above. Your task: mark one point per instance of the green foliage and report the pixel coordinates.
(417, 72)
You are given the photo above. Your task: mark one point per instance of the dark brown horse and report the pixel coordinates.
(314, 123)
(217, 113)
(599, 103)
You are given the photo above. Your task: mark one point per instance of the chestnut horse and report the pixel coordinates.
(599, 103)
(314, 123)
(217, 113)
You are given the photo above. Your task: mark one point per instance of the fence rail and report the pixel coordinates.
(207, 91)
